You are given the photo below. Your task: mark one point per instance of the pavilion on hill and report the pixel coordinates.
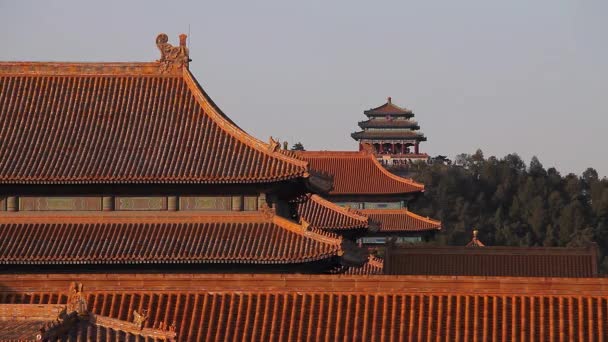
(393, 134)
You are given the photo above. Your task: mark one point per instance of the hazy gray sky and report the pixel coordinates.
(504, 76)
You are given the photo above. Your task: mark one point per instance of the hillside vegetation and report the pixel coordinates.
(514, 204)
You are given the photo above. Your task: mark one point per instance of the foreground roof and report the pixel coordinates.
(358, 173)
(400, 220)
(323, 214)
(68, 123)
(170, 238)
(52, 322)
(492, 261)
(365, 308)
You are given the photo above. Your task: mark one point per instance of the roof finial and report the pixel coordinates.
(474, 241)
(172, 57)
(389, 99)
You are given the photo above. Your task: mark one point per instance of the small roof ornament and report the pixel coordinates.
(474, 241)
(389, 100)
(172, 58)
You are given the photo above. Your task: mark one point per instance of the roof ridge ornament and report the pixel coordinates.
(273, 145)
(172, 58)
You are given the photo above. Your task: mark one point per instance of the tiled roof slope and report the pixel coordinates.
(105, 239)
(389, 134)
(373, 266)
(67, 123)
(24, 322)
(364, 308)
(389, 108)
(358, 173)
(383, 123)
(400, 220)
(323, 214)
(492, 261)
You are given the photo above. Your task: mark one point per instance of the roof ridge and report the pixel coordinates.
(229, 127)
(123, 217)
(52, 68)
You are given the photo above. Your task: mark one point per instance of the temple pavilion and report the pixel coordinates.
(393, 133)
(365, 187)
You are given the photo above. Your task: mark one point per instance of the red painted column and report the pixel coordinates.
(392, 148)
(402, 148)
(416, 148)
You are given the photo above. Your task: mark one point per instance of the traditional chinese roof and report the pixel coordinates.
(352, 308)
(373, 266)
(492, 261)
(400, 220)
(384, 123)
(323, 214)
(389, 109)
(358, 173)
(389, 134)
(47, 322)
(68, 123)
(177, 238)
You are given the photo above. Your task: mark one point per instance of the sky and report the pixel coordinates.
(518, 76)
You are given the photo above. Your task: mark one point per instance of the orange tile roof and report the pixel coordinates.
(323, 214)
(178, 238)
(373, 266)
(68, 123)
(360, 308)
(25, 322)
(400, 220)
(389, 108)
(492, 261)
(358, 173)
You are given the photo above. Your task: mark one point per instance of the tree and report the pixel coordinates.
(536, 169)
(298, 147)
(515, 205)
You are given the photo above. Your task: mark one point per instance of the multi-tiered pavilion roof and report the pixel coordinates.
(391, 130)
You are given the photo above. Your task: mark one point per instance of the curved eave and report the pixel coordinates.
(387, 136)
(228, 125)
(368, 124)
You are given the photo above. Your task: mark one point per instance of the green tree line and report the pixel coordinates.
(514, 204)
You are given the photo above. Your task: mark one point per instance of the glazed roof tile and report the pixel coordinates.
(389, 134)
(323, 214)
(373, 266)
(383, 123)
(363, 308)
(400, 220)
(121, 239)
(389, 109)
(72, 123)
(493, 261)
(358, 173)
(23, 322)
